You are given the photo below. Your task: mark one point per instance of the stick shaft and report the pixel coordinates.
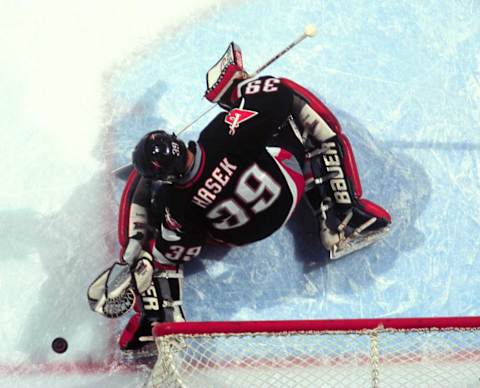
(194, 121)
(285, 50)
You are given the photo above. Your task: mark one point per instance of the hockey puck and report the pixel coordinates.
(59, 345)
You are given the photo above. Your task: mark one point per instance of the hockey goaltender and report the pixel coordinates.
(238, 183)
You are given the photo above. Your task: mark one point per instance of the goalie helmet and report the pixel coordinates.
(160, 156)
(222, 75)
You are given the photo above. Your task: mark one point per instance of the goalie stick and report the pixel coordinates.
(308, 32)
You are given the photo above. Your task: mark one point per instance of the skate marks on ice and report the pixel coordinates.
(395, 180)
(434, 145)
(59, 256)
(354, 286)
(58, 252)
(125, 131)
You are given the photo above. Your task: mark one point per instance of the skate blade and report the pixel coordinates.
(143, 355)
(351, 245)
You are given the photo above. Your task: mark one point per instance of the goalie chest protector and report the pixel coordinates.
(248, 177)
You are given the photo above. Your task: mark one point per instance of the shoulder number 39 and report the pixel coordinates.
(268, 85)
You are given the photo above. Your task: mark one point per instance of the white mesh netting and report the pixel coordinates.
(365, 358)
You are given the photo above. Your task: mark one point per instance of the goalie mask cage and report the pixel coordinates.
(403, 352)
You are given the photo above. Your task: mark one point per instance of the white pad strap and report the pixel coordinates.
(172, 303)
(168, 279)
(170, 274)
(312, 123)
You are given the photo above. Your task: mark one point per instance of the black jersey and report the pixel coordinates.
(247, 177)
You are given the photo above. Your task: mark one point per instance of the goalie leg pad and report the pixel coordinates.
(370, 207)
(160, 302)
(137, 326)
(350, 165)
(319, 125)
(125, 204)
(326, 178)
(143, 272)
(346, 221)
(170, 281)
(345, 227)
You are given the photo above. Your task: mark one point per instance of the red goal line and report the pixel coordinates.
(237, 327)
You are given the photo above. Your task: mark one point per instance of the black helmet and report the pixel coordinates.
(160, 156)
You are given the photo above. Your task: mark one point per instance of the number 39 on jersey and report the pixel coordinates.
(255, 192)
(268, 85)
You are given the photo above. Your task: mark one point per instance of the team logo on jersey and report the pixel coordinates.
(237, 116)
(171, 222)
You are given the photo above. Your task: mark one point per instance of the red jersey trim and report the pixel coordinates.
(232, 73)
(125, 204)
(191, 182)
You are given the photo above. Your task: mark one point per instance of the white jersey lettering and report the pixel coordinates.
(332, 164)
(214, 185)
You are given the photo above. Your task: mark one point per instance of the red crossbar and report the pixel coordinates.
(236, 327)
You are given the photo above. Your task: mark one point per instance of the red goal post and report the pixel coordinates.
(388, 352)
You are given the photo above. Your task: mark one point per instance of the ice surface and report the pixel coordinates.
(82, 82)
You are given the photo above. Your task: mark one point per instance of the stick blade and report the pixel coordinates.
(123, 172)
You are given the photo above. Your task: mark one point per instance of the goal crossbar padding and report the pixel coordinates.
(386, 352)
(239, 327)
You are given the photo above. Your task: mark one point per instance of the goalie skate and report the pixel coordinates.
(348, 236)
(147, 355)
(356, 242)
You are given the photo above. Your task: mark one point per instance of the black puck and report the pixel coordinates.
(59, 345)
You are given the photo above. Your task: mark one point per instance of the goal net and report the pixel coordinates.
(405, 352)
